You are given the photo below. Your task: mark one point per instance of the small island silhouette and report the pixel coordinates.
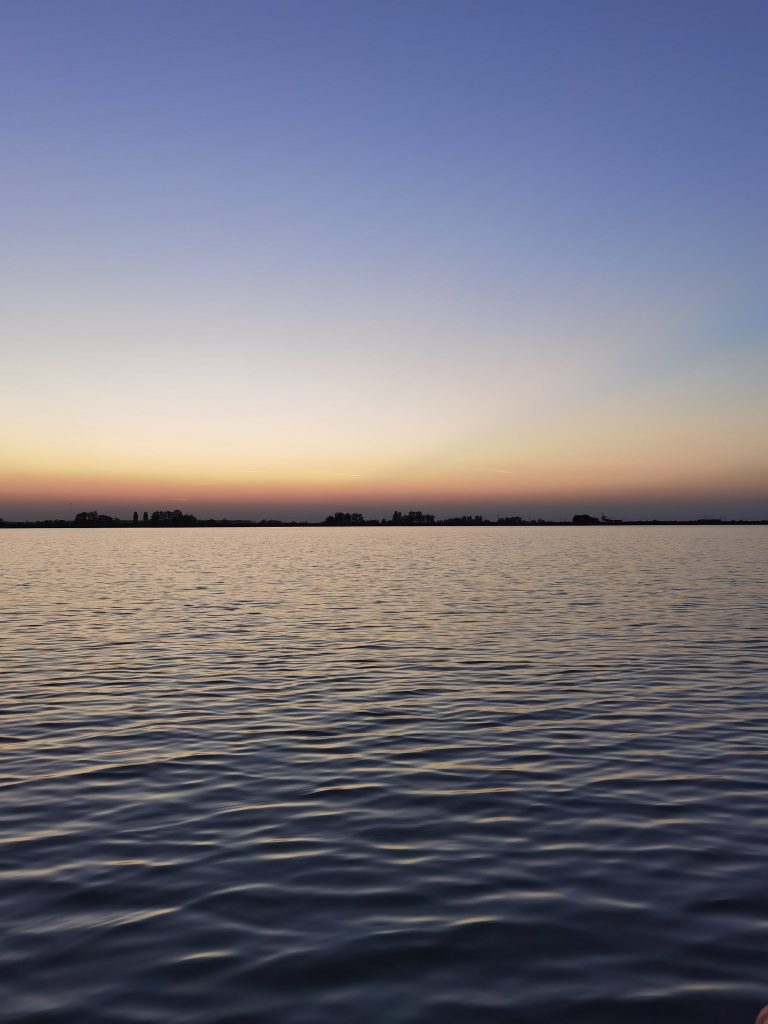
(176, 518)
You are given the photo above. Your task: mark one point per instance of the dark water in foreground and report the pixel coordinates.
(384, 776)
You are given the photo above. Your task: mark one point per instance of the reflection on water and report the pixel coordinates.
(419, 775)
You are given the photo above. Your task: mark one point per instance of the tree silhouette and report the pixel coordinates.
(171, 517)
(412, 518)
(90, 518)
(345, 519)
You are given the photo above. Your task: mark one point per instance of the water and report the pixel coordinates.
(384, 776)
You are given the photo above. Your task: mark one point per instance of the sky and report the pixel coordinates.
(288, 257)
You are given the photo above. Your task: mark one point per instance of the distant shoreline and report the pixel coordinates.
(124, 524)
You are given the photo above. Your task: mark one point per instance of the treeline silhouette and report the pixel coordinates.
(175, 517)
(398, 519)
(345, 519)
(413, 518)
(157, 518)
(89, 518)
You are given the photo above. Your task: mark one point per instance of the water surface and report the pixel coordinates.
(388, 776)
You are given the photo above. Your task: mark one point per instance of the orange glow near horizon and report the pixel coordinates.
(545, 414)
(447, 482)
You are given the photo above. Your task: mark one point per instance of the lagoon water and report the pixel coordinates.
(414, 776)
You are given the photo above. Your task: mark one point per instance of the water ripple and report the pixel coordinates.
(404, 777)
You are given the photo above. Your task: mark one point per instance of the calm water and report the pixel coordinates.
(382, 776)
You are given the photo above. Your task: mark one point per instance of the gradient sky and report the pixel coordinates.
(284, 258)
